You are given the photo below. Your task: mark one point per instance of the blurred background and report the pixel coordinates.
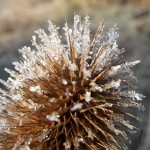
(20, 18)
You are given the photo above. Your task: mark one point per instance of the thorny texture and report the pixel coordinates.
(69, 96)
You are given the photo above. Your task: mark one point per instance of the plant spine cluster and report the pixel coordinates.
(68, 96)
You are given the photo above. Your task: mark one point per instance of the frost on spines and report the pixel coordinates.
(69, 95)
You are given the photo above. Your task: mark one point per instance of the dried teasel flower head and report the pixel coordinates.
(69, 96)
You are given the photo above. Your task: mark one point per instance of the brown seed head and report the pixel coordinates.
(69, 96)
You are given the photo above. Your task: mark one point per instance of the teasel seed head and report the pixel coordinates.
(69, 96)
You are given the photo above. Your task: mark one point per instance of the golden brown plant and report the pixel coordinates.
(69, 96)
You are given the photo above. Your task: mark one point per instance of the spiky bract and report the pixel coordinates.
(69, 96)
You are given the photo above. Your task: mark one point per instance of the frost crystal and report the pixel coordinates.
(52, 100)
(64, 82)
(112, 84)
(73, 67)
(76, 106)
(16, 97)
(69, 92)
(88, 97)
(67, 145)
(35, 89)
(86, 72)
(90, 135)
(53, 117)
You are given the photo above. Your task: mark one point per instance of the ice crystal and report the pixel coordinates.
(64, 82)
(69, 95)
(67, 145)
(90, 134)
(72, 67)
(35, 89)
(77, 106)
(88, 97)
(53, 117)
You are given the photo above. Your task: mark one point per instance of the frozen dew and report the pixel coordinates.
(68, 93)
(123, 69)
(114, 70)
(17, 97)
(77, 106)
(14, 83)
(113, 35)
(52, 100)
(136, 96)
(80, 140)
(64, 82)
(34, 38)
(116, 84)
(95, 112)
(111, 126)
(108, 104)
(112, 84)
(36, 89)
(88, 97)
(126, 123)
(73, 82)
(96, 87)
(67, 145)
(3, 82)
(87, 73)
(33, 105)
(90, 134)
(53, 117)
(132, 94)
(70, 31)
(73, 67)
(133, 63)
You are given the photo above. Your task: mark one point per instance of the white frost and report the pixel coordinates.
(67, 145)
(64, 82)
(73, 82)
(88, 97)
(112, 84)
(73, 67)
(113, 35)
(87, 73)
(90, 135)
(52, 100)
(36, 89)
(17, 97)
(96, 87)
(53, 117)
(132, 94)
(33, 105)
(76, 107)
